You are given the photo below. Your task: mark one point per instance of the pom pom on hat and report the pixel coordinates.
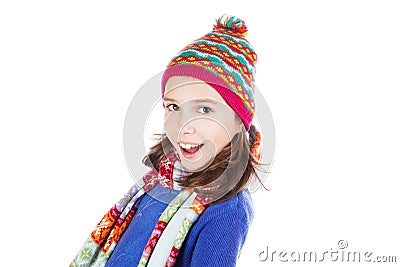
(231, 23)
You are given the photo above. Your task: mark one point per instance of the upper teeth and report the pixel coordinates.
(187, 145)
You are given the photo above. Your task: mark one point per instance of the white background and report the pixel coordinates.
(329, 71)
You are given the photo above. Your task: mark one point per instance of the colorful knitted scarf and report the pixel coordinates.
(102, 241)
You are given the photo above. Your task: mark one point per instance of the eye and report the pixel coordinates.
(204, 109)
(172, 107)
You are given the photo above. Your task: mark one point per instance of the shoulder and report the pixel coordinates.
(219, 234)
(237, 209)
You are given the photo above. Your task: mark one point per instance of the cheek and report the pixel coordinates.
(222, 139)
(216, 132)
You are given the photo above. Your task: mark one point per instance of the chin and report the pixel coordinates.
(195, 166)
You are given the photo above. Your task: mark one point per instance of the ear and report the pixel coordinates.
(239, 124)
(240, 128)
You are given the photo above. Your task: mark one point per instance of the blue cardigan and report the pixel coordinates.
(215, 239)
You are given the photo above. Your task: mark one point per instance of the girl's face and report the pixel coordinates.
(198, 121)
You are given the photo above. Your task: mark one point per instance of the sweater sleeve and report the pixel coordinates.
(221, 240)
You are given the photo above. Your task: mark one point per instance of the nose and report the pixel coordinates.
(186, 121)
(188, 129)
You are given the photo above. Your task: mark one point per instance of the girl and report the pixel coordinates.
(193, 208)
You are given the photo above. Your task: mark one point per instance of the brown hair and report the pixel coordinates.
(220, 180)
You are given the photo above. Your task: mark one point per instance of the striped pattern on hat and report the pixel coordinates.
(225, 60)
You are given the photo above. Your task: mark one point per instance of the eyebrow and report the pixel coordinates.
(194, 100)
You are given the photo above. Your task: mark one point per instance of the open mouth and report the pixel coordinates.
(189, 150)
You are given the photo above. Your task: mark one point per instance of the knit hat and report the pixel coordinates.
(225, 60)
